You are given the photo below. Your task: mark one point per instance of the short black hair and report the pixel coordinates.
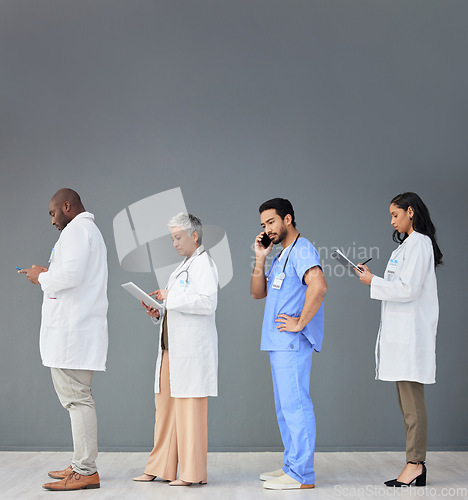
(282, 206)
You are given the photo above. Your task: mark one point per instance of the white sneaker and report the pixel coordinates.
(271, 475)
(286, 482)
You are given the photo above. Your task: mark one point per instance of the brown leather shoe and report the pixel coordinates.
(75, 481)
(61, 474)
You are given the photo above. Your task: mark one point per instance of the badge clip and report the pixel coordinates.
(277, 284)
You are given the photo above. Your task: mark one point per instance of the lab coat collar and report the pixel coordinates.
(83, 215)
(197, 252)
(408, 237)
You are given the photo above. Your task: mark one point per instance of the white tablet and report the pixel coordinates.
(141, 295)
(342, 259)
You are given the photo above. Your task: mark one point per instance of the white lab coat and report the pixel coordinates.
(191, 328)
(406, 341)
(74, 310)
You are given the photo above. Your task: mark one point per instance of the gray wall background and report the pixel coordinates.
(336, 105)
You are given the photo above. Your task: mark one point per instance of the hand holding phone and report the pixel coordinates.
(262, 245)
(265, 241)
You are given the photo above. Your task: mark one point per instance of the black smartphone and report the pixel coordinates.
(266, 241)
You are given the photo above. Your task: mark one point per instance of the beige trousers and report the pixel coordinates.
(73, 388)
(180, 434)
(411, 399)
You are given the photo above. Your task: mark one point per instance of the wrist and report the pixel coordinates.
(259, 267)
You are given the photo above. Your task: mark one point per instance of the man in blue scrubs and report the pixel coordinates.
(294, 288)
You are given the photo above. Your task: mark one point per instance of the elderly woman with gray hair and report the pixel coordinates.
(187, 363)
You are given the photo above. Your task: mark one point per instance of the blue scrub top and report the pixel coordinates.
(289, 299)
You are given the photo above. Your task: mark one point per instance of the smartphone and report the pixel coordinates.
(265, 241)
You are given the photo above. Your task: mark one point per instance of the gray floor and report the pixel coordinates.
(235, 476)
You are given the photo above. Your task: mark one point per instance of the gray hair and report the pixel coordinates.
(189, 223)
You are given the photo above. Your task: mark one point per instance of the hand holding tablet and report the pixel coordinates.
(142, 296)
(342, 259)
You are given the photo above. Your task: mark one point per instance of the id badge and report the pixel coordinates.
(184, 284)
(278, 281)
(392, 265)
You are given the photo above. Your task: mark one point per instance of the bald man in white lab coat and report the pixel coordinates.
(73, 336)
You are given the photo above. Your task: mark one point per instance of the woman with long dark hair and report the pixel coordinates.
(405, 350)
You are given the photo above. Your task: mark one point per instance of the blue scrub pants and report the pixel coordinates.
(294, 409)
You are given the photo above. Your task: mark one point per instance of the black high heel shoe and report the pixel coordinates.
(418, 480)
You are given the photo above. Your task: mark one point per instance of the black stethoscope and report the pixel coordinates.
(282, 275)
(185, 271)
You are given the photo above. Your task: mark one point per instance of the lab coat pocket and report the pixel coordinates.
(398, 327)
(186, 341)
(51, 311)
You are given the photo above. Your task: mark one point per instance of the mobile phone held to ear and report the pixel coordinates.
(266, 241)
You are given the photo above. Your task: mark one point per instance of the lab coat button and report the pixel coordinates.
(291, 346)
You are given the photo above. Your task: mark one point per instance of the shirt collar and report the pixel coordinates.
(283, 252)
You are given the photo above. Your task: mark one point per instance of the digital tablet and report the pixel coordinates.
(139, 294)
(342, 259)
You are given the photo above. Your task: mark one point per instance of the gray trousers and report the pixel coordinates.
(411, 399)
(73, 388)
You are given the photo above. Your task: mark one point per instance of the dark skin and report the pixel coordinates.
(64, 206)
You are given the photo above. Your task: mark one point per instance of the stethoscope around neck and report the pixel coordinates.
(282, 275)
(186, 270)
